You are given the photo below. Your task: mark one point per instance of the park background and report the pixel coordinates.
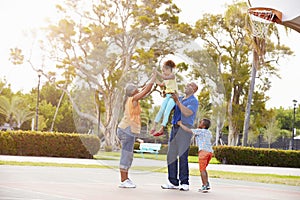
(19, 17)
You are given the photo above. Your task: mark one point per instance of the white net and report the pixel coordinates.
(260, 21)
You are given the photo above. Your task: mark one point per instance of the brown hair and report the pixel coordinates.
(169, 64)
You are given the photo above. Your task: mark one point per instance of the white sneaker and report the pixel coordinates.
(184, 187)
(169, 186)
(127, 184)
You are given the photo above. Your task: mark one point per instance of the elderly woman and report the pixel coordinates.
(130, 127)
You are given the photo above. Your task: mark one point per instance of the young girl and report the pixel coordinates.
(129, 128)
(169, 82)
(203, 138)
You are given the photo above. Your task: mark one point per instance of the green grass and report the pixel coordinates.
(116, 155)
(48, 164)
(263, 178)
(194, 159)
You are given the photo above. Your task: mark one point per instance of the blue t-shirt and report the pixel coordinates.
(192, 104)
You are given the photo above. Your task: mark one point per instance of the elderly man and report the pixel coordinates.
(179, 143)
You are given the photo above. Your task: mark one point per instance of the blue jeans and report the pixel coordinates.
(179, 145)
(127, 141)
(165, 110)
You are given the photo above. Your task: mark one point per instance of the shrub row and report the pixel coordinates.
(237, 155)
(26, 143)
(257, 156)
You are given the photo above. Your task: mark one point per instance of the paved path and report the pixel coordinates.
(157, 164)
(63, 183)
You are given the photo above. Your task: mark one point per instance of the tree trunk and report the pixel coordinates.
(232, 135)
(258, 53)
(114, 106)
(56, 110)
(217, 132)
(249, 101)
(219, 123)
(220, 111)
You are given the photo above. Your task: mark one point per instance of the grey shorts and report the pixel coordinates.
(127, 141)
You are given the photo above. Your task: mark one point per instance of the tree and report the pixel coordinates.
(3, 83)
(204, 110)
(263, 57)
(8, 107)
(23, 115)
(271, 132)
(4, 91)
(56, 98)
(206, 69)
(100, 47)
(15, 110)
(227, 41)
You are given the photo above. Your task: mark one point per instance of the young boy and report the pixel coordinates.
(203, 139)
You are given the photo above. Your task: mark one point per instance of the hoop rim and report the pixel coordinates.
(277, 14)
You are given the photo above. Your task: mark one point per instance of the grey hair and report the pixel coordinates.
(130, 88)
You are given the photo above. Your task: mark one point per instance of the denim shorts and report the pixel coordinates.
(127, 143)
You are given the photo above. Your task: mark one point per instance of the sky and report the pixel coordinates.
(17, 17)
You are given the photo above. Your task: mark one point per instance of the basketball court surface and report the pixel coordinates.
(63, 183)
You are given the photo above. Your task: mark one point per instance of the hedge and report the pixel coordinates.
(31, 143)
(237, 155)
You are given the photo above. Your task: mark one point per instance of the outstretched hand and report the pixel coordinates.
(153, 78)
(175, 97)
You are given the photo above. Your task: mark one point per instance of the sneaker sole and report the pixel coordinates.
(167, 188)
(126, 187)
(203, 191)
(183, 189)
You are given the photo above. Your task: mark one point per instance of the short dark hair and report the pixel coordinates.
(206, 123)
(170, 64)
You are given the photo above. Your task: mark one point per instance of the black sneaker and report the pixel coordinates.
(208, 186)
(203, 189)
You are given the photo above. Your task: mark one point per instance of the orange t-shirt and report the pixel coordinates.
(132, 116)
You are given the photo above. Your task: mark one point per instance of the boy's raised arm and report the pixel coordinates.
(184, 127)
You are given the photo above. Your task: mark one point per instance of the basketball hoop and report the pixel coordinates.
(261, 18)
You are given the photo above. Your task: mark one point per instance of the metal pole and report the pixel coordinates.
(293, 128)
(99, 120)
(37, 104)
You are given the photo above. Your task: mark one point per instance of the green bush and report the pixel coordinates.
(136, 146)
(33, 143)
(7, 144)
(163, 149)
(257, 156)
(193, 151)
